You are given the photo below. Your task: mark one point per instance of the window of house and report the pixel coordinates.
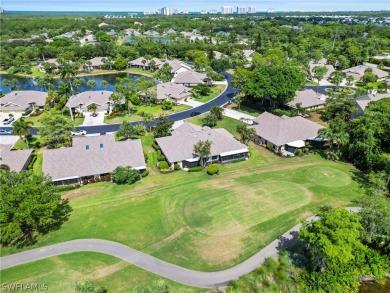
(87, 147)
(101, 145)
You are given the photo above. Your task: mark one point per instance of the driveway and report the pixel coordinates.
(192, 103)
(17, 115)
(238, 116)
(155, 265)
(89, 120)
(9, 139)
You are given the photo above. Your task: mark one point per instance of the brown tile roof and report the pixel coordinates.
(180, 145)
(19, 100)
(103, 155)
(280, 131)
(307, 98)
(16, 160)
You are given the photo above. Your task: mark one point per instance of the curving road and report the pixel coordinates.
(157, 266)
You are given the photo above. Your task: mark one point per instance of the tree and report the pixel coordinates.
(55, 130)
(339, 107)
(120, 63)
(350, 79)
(369, 77)
(104, 84)
(125, 175)
(22, 128)
(30, 205)
(319, 73)
(92, 108)
(201, 89)
(336, 135)
(11, 84)
(163, 127)
(209, 120)
(203, 150)
(77, 83)
(164, 73)
(217, 112)
(89, 287)
(126, 130)
(148, 117)
(91, 84)
(246, 134)
(166, 104)
(336, 78)
(239, 99)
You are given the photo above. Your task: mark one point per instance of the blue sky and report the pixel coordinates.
(194, 5)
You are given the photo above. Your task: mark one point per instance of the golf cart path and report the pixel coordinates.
(157, 266)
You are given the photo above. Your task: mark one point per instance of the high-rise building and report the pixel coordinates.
(227, 9)
(203, 11)
(241, 10)
(251, 10)
(213, 11)
(166, 11)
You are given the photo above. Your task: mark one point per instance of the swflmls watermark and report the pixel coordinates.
(24, 287)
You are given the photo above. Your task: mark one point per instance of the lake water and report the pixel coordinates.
(26, 83)
(154, 39)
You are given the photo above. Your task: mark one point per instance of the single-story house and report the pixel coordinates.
(219, 55)
(191, 78)
(284, 134)
(22, 101)
(141, 62)
(96, 63)
(248, 54)
(91, 157)
(132, 32)
(15, 160)
(177, 66)
(81, 101)
(363, 101)
(179, 147)
(102, 24)
(170, 31)
(88, 39)
(308, 99)
(172, 91)
(321, 62)
(358, 71)
(53, 61)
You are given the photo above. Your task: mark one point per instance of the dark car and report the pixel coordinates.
(193, 114)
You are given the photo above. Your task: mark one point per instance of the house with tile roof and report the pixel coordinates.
(284, 133)
(179, 147)
(91, 157)
(363, 101)
(174, 92)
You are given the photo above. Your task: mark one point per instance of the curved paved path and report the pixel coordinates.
(157, 266)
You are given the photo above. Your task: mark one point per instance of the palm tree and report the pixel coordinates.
(91, 84)
(22, 128)
(65, 89)
(104, 84)
(238, 100)
(299, 109)
(148, 117)
(203, 149)
(335, 134)
(92, 108)
(33, 105)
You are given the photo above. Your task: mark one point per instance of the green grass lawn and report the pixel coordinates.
(61, 273)
(215, 91)
(154, 109)
(202, 222)
(228, 123)
(245, 109)
(37, 120)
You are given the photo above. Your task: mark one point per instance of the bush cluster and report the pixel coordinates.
(177, 166)
(68, 187)
(125, 175)
(160, 157)
(212, 169)
(163, 165)
(145, 173)
(195, 169)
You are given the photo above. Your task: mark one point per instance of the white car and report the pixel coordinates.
(79, 132)
(8, 120)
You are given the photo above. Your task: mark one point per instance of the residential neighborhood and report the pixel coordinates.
(195, 148)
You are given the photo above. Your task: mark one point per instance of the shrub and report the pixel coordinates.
(163, 165)
(195, 169)
(212, 169)
(85, 182)
(92, 180)
(177, 166)
(105, 178)
(298, 152)
(156, 146)
(68, 187)
(125, 175)
(306, 151)
(145, 173)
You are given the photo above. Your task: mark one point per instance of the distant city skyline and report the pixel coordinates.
(154, 5)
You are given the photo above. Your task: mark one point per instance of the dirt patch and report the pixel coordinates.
(220, 249)
(108, 270)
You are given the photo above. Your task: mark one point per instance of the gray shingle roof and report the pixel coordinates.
(307, 98)
(19, 100)
(78, 161)
(363, 101)
(283, 130)
(138, 62)
(173, 91)
(180, 146)
(360, 69)
(175, 64)
(190, 77)
(15, 160)
(100, 98)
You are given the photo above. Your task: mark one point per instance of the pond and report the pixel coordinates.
(26, 83)
(153, 39)
(373, 287)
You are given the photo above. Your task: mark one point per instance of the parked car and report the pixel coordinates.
(8, 120)
(79, 132)
(5, 132)
(193, 114)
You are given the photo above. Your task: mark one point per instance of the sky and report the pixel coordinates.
(193, 5)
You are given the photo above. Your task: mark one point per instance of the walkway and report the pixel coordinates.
(192, 103)
(90, 120)
(157, 266)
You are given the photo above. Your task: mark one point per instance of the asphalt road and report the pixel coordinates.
(157, 266)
